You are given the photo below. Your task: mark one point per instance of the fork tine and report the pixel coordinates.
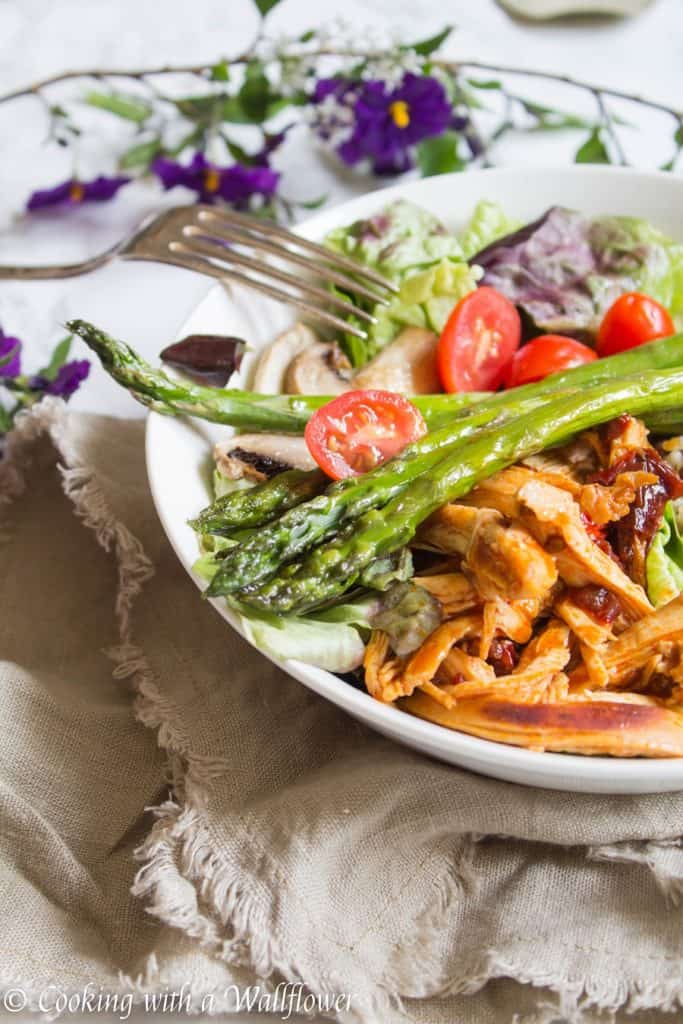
(194, 261)
(239, 234)
(198, 246)
(259, 228)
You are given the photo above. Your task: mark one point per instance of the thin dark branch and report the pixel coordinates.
(605, 90)
(454, 66)
(140, 74)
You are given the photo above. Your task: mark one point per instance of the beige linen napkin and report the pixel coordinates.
(293, 844)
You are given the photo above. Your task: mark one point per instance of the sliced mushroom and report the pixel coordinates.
(407, 365)
(318, 370)
(269, 376)
(259, 456)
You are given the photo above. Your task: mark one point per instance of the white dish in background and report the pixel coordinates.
(178, 451)
(541, 10)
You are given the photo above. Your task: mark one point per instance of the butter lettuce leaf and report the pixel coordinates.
(401, 239)
(664, 564)
(488, 223)
(333, 639)
(425, 299)
(415, 251)
(223, 485)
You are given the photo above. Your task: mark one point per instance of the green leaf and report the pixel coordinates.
(6, 419)
(236, 151)
(140, 155)
(314, 204)
(439, 155)
(306, 36)
(427, 46)
(220, 72)
(488, 83)
(593, 150)
(552, 119)
(255, 94)
(265, 5)
(60, 354)
(678, 139)
(203, 109)
(129, 107)
(255, 102)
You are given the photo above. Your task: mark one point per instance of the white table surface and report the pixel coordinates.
(147, 304)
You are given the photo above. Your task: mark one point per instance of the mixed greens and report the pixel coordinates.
(565, 269)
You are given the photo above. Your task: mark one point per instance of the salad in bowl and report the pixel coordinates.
(471, 512)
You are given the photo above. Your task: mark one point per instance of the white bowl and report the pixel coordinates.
(178, 450)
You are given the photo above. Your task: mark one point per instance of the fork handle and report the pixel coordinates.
(55, 271)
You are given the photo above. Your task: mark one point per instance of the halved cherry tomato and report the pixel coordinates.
(549, 353)
(479, 340)
(361, 429)
(631, 321)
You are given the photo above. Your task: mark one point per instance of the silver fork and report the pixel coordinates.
(236, 247)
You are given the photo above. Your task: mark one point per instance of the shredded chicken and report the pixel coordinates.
(558, 515)
(503, 561)
(501, 491)
(453, 590)
(628, 654)
(624, 725)
(547, 642)
(633, 434)
(603, 504)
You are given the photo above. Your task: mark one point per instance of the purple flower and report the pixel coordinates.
(386, 123)
(270, 144)
(74, 192)
(69, 378)
(235, 184)
(10, 346)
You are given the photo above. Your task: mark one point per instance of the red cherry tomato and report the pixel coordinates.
(549, 353)
(361, 429)
(631, 321)
(479, 340)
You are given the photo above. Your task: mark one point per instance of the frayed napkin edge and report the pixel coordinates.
(174, 878)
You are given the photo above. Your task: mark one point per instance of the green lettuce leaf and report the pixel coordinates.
(413, 249)
(664, 564)
(401, 239)
(211, 548)
(426, 299)
(332, 640)
(489, 222)
(224, 485)
(644, 257)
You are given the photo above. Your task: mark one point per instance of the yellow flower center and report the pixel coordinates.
(76, 192)
(400, 113)
(212, 179)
